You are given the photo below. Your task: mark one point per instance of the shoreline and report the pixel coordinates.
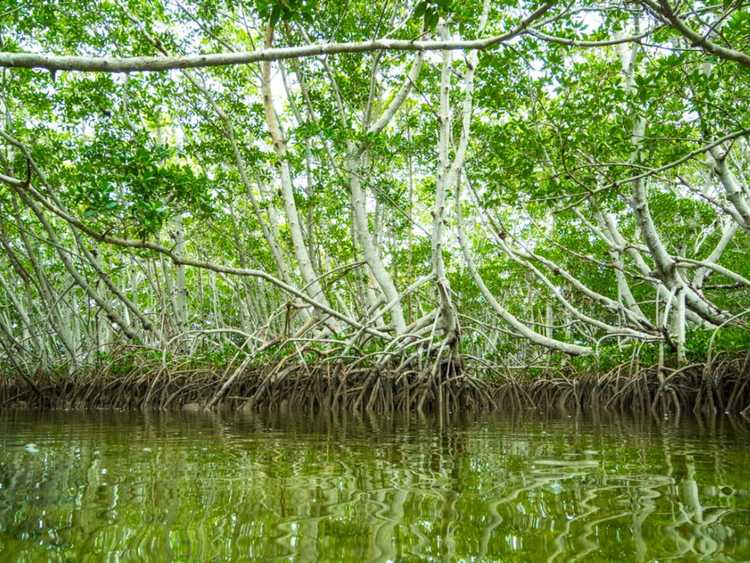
(712, 387)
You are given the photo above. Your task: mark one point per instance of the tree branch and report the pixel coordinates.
(161, 63)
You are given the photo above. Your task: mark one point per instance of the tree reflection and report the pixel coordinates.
(366, 488)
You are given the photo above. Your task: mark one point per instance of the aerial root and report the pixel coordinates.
(438, 380)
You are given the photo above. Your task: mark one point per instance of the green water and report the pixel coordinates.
(176, 487)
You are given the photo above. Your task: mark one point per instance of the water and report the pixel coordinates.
(176, 487)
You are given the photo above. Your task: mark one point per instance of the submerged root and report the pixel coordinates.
(445, 382)
(700, 389)
(326, 385)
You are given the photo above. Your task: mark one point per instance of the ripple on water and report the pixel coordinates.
(154, 486)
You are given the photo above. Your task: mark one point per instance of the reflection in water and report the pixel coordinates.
(125, 487)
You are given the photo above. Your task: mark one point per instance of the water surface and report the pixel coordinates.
(107, 486)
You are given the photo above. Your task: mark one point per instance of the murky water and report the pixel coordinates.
(159, 487)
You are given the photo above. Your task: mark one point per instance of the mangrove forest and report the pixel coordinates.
(384, 206)
(384, 281)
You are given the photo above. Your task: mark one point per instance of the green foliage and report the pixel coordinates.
(276, 11)
(551, 152)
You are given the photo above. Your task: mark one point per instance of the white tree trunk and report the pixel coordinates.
(313, 286)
